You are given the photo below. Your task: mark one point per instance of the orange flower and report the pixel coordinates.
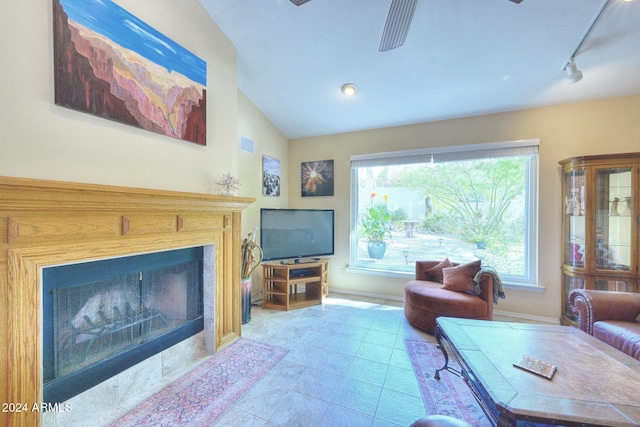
(374, 195)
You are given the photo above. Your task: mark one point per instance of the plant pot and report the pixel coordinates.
(246, 300)
(481, 245)
(376, 249)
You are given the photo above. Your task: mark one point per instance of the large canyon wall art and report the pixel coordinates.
(111, 64)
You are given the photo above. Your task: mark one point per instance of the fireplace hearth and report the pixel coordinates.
(103, 317)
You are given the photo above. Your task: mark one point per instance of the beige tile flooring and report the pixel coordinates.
(347, 366)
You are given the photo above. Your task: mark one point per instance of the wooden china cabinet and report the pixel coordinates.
(600, 237)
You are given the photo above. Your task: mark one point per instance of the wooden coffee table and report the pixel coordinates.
(594, 385)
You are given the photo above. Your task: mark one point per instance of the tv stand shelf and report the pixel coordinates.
(291, 286)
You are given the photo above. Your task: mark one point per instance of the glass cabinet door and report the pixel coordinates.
(613, 219)
(614, 285)
(570, 283)
(574, 198)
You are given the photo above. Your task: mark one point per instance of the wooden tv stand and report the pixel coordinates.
(291, 286)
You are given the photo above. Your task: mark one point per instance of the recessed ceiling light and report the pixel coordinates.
(349, 89)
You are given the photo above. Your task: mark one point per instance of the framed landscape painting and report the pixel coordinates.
(110, 64)
(317, 178)
(270, 176)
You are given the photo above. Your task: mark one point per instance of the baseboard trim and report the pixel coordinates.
(522, 316)
(529, 317)
(366, 295)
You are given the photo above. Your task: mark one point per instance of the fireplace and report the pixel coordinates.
(45, 224)
(102, 317)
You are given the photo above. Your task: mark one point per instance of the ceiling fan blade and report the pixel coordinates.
(397, 25)
(301, 2)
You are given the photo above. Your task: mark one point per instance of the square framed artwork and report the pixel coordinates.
(270, 176)
(316, 178)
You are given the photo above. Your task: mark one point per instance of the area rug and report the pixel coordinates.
(201, 396)
(449, 396)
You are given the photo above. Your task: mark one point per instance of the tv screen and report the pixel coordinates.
(296, 233)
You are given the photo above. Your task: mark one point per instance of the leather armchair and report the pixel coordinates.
(592, 306)
(609, 317)
(425, 300)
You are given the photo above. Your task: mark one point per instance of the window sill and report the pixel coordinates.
(527, 287)
(379, 272)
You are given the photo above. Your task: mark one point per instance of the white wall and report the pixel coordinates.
(607, 126)
(41, 140)
(268, 140)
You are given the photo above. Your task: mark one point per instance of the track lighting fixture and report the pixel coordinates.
(573, 74)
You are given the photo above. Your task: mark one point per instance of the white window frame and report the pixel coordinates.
(460, 152)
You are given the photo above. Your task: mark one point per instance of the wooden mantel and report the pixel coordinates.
(46, 223)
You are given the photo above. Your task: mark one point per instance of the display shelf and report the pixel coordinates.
(600, 237)
(292, 286)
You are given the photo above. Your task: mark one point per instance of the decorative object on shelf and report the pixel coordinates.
(317, 178)
(577, 206)
(568, 201)
(249, 258)
(153, 83)
(614, 207)
(229, 184)
(270, 176)
(376, 226)
(627, 206)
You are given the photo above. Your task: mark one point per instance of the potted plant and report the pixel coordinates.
(376, 226)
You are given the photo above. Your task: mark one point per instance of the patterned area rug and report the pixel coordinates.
(201, 396)
(449, 396)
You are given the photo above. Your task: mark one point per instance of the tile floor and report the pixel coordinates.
(347, 366)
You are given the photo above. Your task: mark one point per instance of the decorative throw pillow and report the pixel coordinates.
(638, 318)
(460, 278)
(435, 273)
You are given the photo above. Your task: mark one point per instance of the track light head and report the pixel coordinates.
(573, 74)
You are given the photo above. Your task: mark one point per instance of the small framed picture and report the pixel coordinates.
(317, 178)
(270, 176)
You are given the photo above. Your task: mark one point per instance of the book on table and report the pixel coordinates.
(536, 366)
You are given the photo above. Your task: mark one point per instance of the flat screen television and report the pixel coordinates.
(296, 234)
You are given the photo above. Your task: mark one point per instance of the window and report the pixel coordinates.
(464, 203)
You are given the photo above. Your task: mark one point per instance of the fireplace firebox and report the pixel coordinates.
(102, 317)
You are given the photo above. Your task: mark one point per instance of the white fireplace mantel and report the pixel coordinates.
(44, 223)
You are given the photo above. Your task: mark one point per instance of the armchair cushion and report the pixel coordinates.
(435, 274)
(460, 278)
(625, 336)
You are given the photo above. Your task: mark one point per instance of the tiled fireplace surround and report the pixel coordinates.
(45, 223)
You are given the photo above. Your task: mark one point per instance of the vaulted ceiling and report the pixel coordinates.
(460, 58)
